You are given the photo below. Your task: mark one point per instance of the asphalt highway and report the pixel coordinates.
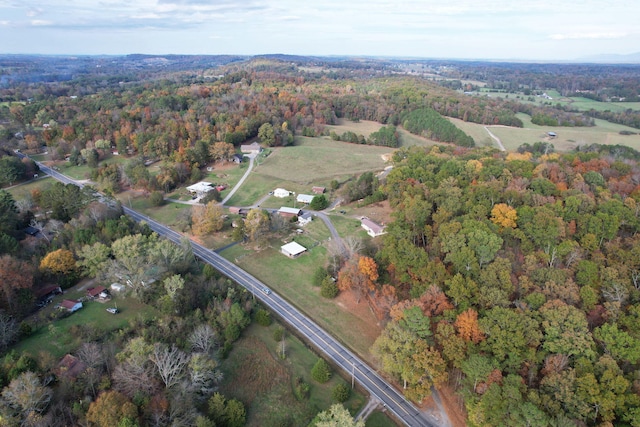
(392, 399)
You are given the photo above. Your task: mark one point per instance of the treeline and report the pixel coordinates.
(428, 123)
(515, 278)
(386, 136)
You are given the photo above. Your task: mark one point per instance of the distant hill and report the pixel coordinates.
(632, 58)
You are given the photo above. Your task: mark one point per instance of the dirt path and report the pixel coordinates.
(495, 139)
(371, 406)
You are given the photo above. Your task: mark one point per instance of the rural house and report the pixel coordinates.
(281, 193)
(304, 198)
(304, 219)
(71, 305)
(293, 249)
(200, 189)
(372, 228)
(251, 148)
(70, 367)
(97, 292)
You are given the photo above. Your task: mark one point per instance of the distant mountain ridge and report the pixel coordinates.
(611, 58)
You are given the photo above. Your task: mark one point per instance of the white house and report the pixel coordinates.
(251, 148)
(293, 249)
(281, 192)
(200, 189)
(372, 228)
(71, 305)
(305, 219)
(304, 198)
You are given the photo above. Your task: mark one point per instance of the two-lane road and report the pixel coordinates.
(393, 400)
(341, 356)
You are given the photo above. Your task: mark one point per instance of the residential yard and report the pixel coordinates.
(353, 324)
(65, 335)
(20, 191)
(168, 214)
(264, 382)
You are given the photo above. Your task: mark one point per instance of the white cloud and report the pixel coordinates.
(588, 36)
(40, 23)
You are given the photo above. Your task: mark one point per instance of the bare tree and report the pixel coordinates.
(131, 378)
(203, 339)
(26, 395)
(8, 330)
(170, 363)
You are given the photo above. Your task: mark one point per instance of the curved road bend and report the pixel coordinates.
(340, 355)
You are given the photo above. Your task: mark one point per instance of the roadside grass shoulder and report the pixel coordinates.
(292, 279)
(378, 419)
(65, 335)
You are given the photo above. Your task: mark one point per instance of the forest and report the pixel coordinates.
(511, 277)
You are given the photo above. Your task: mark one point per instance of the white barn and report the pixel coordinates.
(293, 249)
(281, 193)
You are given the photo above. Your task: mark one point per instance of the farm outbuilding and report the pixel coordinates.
(200, 189)
(293, 249)
(281, 193)
(305, 198)
(251, 148)
(288, 212)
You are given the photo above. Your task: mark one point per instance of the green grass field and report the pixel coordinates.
(568, 137)
(312, 161)
(268, 392)
(21, 191)
(65, 335)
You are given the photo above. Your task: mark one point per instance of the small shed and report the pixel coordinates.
(293, 249)
(305, 198)
(97, 292)
(236, 158)
(71, 305)
(318, 190)
(281, 193)
(372, 228)
(288, 212)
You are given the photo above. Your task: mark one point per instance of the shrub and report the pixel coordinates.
(341, 393)
(321, 372)
(263, 317)
(278, 333)
(302, 389)
(329, 288)
(319, 275)
(156, 198)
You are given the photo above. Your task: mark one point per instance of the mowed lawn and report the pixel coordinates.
(21, 191)
(312, 161)
(291, 278)
(65, 335)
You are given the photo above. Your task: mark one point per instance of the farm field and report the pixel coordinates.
(269, 394)
(366, 128)
(568, 137)
(299, 167)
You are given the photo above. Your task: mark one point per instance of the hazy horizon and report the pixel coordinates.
(498, 30)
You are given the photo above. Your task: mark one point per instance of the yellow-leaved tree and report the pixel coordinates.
(60, 261)
(504, 215)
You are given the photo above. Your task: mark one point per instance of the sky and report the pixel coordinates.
(459, 29)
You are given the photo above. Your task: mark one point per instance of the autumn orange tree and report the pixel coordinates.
(467, 326)
(111, 408)
(358, 275)
(15, 277)
(504, 215)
